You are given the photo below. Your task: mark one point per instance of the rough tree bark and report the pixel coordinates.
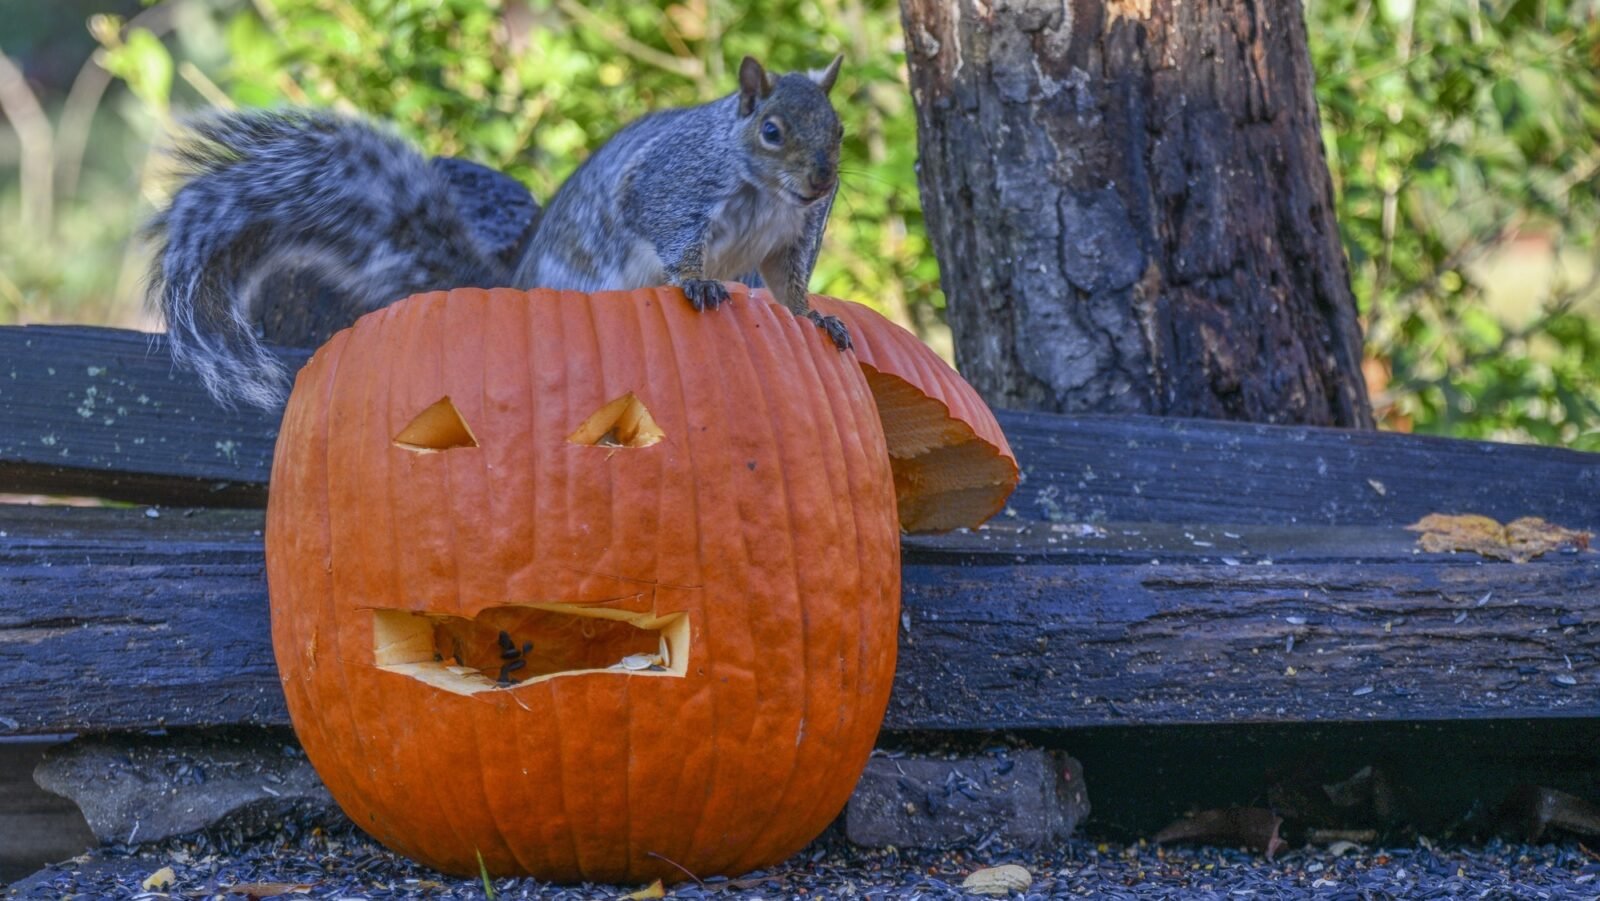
(1131, 207)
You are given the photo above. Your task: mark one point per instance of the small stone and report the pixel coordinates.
(139, 789)
(1001, 880)
(1018, 797)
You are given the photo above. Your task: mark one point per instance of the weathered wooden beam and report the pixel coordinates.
(112, 619)
(103, 412)
(1151, 469)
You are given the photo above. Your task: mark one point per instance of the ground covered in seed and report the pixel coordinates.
(342, 863)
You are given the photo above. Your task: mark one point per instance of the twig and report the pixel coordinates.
(27, 118)
(83, 99)
(681, 868)
(619, 37)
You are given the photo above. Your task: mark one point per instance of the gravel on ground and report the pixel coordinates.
(340, 862)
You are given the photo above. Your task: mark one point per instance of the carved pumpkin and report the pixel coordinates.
(672, 533)
(589, 586)
(952, 465)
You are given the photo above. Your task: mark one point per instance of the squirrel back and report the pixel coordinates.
(684, 197)
(269, 191)
(702, 179)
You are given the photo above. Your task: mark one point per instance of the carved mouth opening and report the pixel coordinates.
(504, 647)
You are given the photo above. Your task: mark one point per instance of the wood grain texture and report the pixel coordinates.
(1150, 469)
(1050, 629)
(1131, 208)
(104, 413)
(176, 446)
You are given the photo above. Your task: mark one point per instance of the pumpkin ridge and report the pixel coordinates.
(415, 338)
(342, 380)
(562, 308)
(477, 311)
(855, 456)
(808, 377)
(532, 330)
(685, 446)
(292, 625)
(692, 344)
(763, 414)
(839, 462)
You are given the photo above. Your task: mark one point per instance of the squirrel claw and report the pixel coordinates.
(704, 293)
(834, 327)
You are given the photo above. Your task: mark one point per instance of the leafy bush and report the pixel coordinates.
(531, 89)
(1452, 130)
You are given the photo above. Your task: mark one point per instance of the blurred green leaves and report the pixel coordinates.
(140, 59)
(1452, 128)
(533, 87)
(1460, 133)
(1463, 136)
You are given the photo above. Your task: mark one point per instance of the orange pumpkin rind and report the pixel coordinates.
(673, 531)
(952, 465)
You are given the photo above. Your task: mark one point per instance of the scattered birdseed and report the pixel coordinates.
(341, 862)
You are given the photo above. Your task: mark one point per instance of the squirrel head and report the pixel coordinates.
(791, 130)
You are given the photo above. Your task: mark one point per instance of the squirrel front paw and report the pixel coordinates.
(835, 329)
(704, 293)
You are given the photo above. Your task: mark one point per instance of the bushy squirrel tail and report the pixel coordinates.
(266, 192)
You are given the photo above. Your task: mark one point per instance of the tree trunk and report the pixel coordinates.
(1131, 207)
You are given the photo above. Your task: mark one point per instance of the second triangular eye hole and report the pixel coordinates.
(438, 428)
(623, 422)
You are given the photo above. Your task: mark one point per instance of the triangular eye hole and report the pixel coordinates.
(624, 422)
(438, 428)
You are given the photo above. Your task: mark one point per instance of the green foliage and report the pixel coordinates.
(1453, 129)
(532, 89)
(142, 61)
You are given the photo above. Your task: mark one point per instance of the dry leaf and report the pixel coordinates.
(1001, 880)
(653, 890)
(1340, 849)
(1519, 541)
(1530, 810)
(1253, 827)
(159, 880)
(254, 890)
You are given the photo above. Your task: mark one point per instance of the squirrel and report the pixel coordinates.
(682, 197)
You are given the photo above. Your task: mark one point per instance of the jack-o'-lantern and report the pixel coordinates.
(585, 586)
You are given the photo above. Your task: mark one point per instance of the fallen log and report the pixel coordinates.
(117, 619)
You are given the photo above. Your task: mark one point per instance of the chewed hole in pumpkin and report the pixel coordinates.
(622, 422)
(504, 647)
(437, 428)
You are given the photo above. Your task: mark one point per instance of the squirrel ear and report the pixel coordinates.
(754, 83)
(828, 76)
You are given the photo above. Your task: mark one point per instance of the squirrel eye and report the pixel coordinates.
(771, 133)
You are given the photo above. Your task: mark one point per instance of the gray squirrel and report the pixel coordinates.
(681, 197)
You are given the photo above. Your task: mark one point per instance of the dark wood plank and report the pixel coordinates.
(148, 434)
(104, 413)
(1148, 469)
(112, 619)
(1046, 646)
